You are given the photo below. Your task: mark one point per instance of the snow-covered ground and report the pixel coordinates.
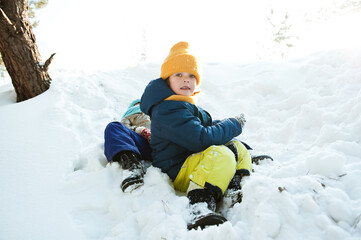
(55, 182)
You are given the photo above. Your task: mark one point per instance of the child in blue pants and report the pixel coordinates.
(127, 142)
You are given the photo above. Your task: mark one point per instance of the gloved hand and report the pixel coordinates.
(144, 132)
(241, 119)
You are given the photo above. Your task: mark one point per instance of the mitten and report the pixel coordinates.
(139, 130)
(146, 134)
(241, 119)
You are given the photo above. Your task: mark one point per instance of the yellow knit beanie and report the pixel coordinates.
(180, 60)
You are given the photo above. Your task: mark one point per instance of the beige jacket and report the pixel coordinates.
(137, 122)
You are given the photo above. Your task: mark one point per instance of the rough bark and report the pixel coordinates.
(20, 52)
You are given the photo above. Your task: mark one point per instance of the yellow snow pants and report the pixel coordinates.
(213, 168)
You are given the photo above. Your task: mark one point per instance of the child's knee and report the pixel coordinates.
(114, 128)
(110, 127)
(216, 168)
(224, 157)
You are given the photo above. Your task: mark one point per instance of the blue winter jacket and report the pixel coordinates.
(180, 128)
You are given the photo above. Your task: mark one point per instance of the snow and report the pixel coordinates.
(305, 113)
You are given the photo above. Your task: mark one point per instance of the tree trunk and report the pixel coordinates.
(20, 52)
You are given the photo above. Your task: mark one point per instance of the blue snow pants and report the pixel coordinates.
(120, 138)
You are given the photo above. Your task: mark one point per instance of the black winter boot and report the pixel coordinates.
(234, 190)
(257, 158)
(235, 183)
(133, 177)
(202, 204)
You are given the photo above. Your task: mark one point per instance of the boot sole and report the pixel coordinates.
(256, 159)
(208, 220)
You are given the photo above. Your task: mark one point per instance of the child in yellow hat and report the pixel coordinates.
(197, 153)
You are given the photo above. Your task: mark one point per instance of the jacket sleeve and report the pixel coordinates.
(180, 126)
(126, 122)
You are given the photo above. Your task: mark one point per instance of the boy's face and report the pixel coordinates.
(182, 83)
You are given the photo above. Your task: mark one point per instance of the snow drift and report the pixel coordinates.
(56, 184)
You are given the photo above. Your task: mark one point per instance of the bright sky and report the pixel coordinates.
(93, 34)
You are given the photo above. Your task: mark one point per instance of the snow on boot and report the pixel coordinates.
(133, 176)
(131, 181)
(257, 158)
(202, 205)
(233, 194)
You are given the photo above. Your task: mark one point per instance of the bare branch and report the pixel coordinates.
(47, 62)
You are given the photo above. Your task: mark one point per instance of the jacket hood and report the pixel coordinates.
(156, 91)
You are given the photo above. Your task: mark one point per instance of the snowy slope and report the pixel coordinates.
(55, 182)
